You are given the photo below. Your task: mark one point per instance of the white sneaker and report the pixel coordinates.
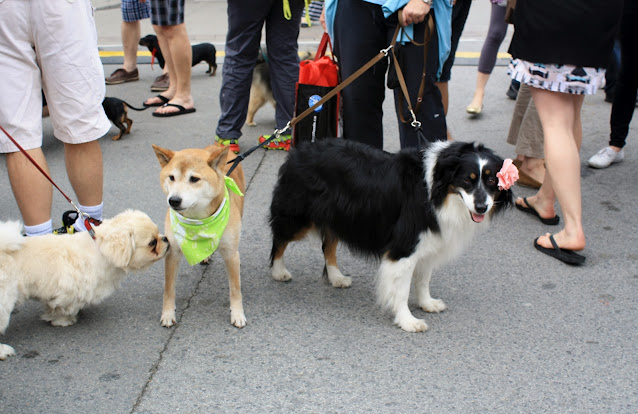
(605, 157)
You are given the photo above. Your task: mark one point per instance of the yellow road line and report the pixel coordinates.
(119, 53)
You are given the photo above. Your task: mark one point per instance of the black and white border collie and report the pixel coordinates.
(415, 210)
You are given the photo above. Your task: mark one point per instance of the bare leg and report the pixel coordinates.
(130, 37)
(178, 55)
(479, 92)
(32, 190)
(560, 117)
(84, 168)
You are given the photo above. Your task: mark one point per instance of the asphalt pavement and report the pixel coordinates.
(523, 333)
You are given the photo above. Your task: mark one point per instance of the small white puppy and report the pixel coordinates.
(68, 272)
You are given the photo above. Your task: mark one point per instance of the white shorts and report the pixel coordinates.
(51, 46)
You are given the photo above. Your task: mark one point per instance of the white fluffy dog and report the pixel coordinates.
(68, 272)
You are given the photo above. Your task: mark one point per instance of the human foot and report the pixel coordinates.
(175, 106)
(545, 215)
(158, 100)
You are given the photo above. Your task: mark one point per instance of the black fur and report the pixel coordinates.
(202, 52)
(116, 111)
(375, 202)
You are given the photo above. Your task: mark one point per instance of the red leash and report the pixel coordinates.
(87, 219)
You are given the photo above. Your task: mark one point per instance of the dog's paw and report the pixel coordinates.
(433, 305)
(279, 272)
(341, 282)
(168, 319)
(237, 319)
(251, 123)
(411, 324)
(6, 351)
(63, 320)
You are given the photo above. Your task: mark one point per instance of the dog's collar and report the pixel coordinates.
(199, 239)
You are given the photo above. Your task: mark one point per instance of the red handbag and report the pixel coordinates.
(316, 78)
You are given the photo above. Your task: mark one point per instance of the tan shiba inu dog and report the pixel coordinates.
(198, 193)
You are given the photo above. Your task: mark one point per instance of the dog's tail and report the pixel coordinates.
(10, 236)
(134, 108)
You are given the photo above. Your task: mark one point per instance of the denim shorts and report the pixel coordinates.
(134, 10)
(167, 12)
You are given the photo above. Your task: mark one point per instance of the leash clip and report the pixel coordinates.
(386, 50)
(278, 132)
(414, 123)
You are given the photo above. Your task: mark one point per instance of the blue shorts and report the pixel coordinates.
(167, 12)
(134, 10)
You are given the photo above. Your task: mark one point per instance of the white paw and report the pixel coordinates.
(412, 324)
(66, 320)
(434, 305)
(168, 319)
(281, 275)
(6, 351)
(341, 281)
(237, 318)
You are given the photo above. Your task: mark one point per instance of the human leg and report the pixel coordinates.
(32, 191)
(242, 48)
(560, 117)
(526, 133)
(460, 11)
(132, 12)
(21, 114)
(495, 35)
(178, 54)
(282, 50)
(430, 111)
(130, 37)
(360, 32)
(624, 97)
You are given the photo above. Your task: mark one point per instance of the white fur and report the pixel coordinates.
(68, 272)
(457, 229)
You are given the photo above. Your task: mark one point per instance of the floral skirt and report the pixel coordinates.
(558, 78)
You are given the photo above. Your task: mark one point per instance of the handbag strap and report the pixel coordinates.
(324, 44)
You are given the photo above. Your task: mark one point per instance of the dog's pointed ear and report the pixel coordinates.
(163, 155)
(116, 245)
(218, 156)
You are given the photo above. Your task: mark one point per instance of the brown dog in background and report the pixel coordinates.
(261, 89)
(194, 184)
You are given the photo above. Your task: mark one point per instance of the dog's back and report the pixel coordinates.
(10, 236)
(329, 184)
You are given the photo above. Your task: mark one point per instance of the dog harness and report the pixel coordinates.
(199, 239)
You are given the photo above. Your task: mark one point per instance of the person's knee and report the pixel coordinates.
(170, 32)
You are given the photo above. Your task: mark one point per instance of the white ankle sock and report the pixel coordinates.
(93, 211)
(39, 229)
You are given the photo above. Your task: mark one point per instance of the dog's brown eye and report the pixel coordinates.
(194, 179)
(153, 243)
(171, 177)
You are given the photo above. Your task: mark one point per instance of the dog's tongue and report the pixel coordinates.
(477, 217)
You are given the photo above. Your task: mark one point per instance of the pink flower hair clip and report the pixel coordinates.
(507, 176)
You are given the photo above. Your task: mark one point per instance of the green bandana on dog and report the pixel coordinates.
(198, 239)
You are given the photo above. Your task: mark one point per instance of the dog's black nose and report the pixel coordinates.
(481, 208)
(175, 201)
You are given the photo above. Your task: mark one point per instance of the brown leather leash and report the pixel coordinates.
(88, 220)
(382, 53)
